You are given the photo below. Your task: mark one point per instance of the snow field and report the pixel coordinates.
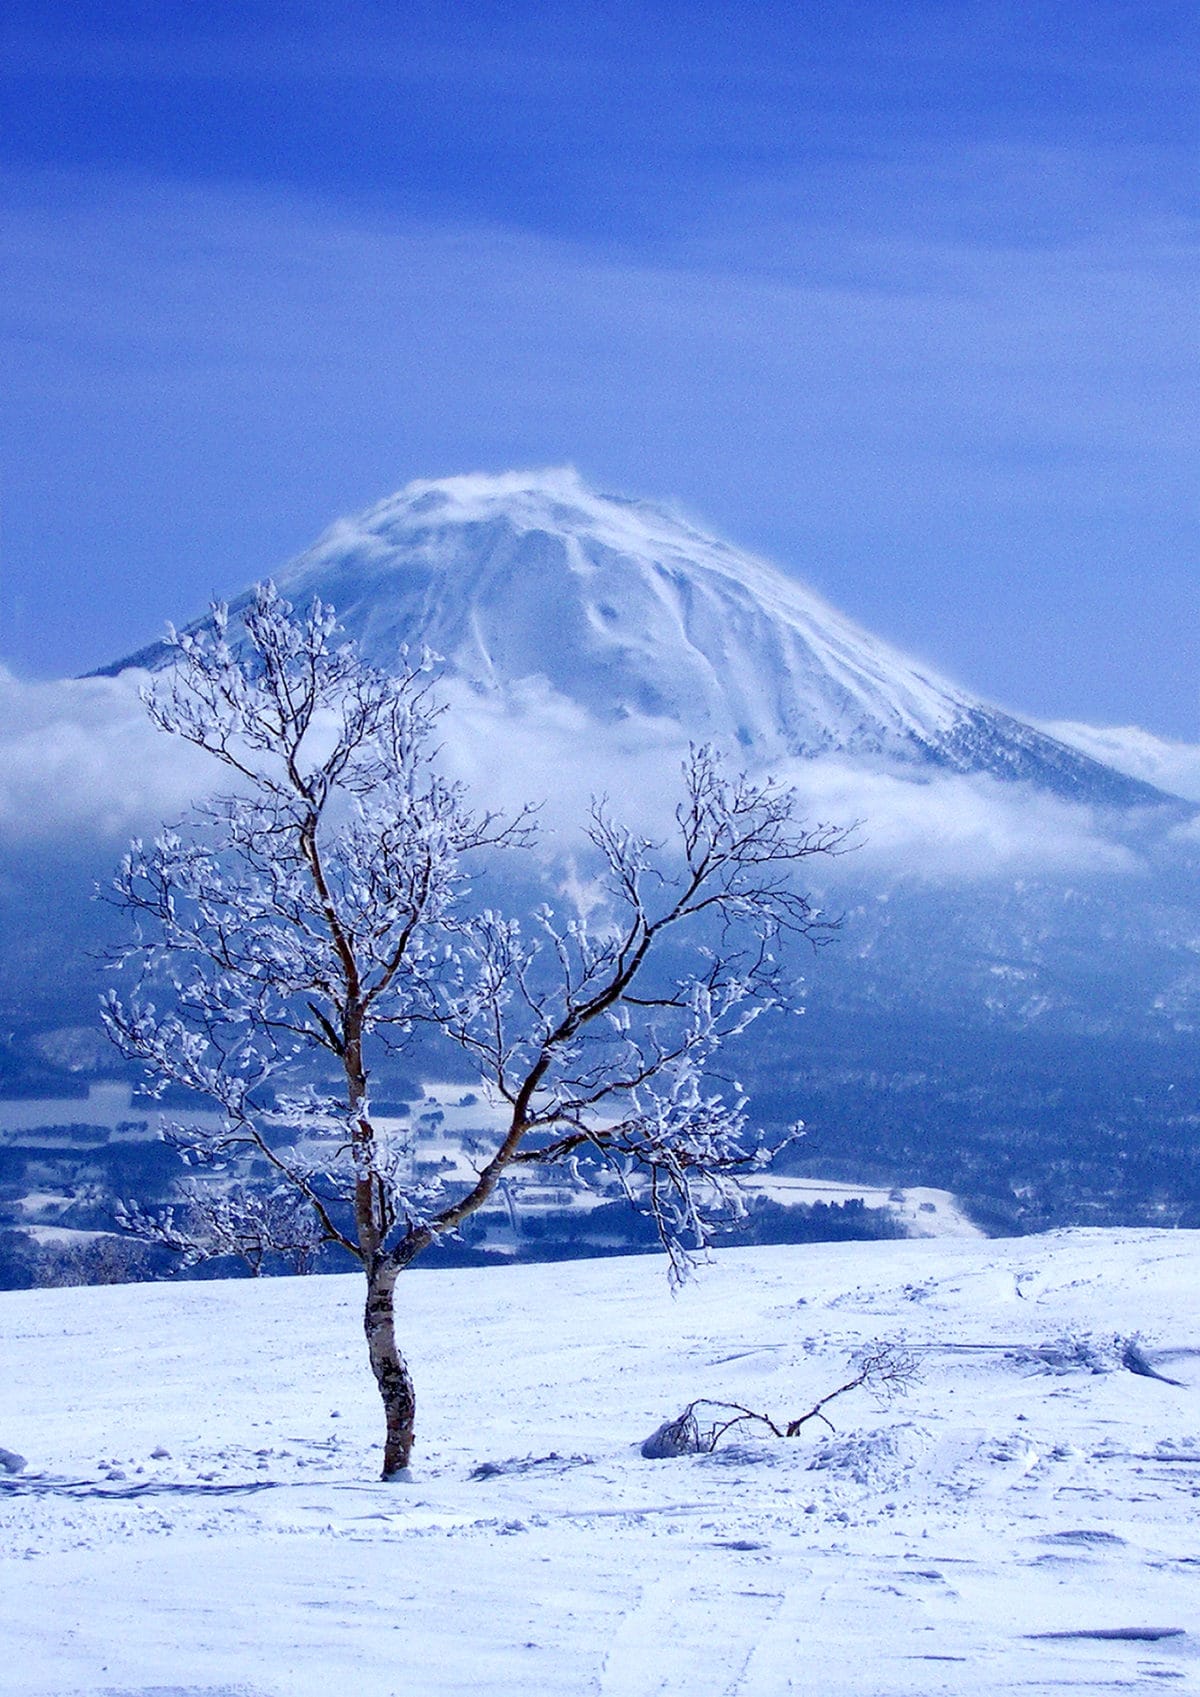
(1030, 1484)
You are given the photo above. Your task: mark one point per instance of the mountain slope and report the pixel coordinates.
(632, 615)
(1168, 765)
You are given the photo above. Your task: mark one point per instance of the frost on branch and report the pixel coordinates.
(600, 1033)
(253, 1226)
(300, 915)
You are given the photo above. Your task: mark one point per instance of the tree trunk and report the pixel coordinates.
(390, 1368)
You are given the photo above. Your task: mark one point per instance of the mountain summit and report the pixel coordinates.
(628, 613)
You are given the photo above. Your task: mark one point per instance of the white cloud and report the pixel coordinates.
(79, 756)
(537, 746)
(1171, 766)
(955, 825)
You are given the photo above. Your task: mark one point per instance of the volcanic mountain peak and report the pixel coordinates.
(536, 574)
(533, 586)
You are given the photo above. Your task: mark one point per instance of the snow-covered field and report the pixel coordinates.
(198, 1516)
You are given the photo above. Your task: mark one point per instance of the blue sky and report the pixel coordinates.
(901, 295)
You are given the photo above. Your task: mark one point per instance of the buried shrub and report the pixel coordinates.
(884, 1369)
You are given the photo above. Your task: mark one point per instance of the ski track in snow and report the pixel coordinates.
(965, 1539)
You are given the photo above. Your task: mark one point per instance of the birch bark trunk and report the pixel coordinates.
(390, 1369)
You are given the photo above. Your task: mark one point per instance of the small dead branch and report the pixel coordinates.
(884, 1369)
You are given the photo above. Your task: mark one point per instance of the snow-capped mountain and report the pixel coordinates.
(1011, 1007)
(534, 588)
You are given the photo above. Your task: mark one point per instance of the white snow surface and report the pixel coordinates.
(198, 1516)
(621, 606)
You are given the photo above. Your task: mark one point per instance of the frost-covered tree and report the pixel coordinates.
(314, 914)
(256, 1226)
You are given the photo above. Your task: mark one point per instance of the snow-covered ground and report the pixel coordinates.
(198, 1516)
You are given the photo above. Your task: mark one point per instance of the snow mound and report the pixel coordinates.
(877, 1459)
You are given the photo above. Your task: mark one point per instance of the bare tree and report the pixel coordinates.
(887, 1370)
(211, 1220)
(88, 1260)
(317, 909)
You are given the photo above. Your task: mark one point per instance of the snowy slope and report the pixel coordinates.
(198, 1515)
(535, 589)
